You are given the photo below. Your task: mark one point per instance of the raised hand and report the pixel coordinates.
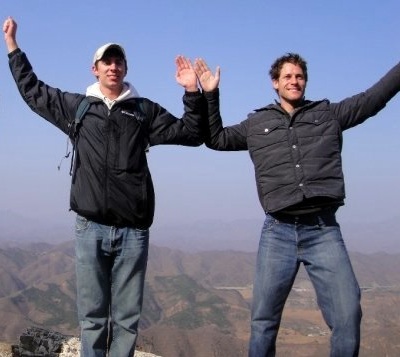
(208, 80)
(185, 74)
(10, 34)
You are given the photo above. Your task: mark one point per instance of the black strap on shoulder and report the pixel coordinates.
(80, 113)
(73, 129)
(141, 116)
(139, 110)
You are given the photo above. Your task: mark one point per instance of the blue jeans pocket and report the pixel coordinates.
(81, 223)
(269, 222)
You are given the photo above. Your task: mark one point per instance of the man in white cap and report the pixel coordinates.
(112, 190)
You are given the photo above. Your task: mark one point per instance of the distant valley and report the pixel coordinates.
(204, 235)
(196, 304)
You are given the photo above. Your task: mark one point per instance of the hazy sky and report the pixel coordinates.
(348, 45)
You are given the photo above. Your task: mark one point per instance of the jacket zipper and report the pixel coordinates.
(106, 183)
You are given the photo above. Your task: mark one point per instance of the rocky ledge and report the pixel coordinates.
(38, 342)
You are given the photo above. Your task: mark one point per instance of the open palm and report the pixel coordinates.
(185, 74)
(208, 80)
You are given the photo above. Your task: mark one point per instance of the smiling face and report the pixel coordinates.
(290, 86)
(110, 71)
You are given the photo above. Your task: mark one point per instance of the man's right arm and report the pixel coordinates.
(218, 137)
(232, 138)
(50, 103)
(55, 106)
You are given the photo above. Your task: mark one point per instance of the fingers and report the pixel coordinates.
(200, 65)
(8, 25)
(10, 32)
(201, 69)
(183, 63)
(218, 73)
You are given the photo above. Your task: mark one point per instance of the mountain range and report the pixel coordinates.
(205, 235)
(196, 303)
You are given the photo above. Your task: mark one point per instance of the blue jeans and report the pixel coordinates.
(316, 241)
(110, 270)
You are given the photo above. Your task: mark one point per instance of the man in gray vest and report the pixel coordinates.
(295, 145)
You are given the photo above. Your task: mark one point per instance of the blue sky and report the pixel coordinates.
(348, 45)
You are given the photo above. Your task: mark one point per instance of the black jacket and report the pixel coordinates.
(297, 159)
(111, 183)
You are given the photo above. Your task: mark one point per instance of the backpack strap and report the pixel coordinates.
(73, 130)
(79, 115)
(141, 116)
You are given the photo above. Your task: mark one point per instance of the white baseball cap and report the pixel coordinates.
(108, 46)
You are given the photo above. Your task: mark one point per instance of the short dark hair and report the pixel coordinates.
(113, 52)
(293, 58)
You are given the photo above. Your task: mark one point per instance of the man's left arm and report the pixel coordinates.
(167, 129)
(356, 109)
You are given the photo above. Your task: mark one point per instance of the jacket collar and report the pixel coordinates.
(128, 92)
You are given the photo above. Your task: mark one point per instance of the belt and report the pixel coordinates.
(301, 211)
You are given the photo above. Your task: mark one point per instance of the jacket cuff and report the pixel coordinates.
(15, 52)
(212, 94)
(192, 94)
